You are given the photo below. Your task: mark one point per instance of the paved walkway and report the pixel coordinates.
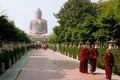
(49, 65)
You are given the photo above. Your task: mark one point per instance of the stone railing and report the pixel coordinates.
(111, 44)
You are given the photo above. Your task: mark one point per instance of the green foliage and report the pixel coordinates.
(117, 9)
(53, 38)
(81, 20)
(75, 35)
(57, 30)
(51, 47)
(68, 35)
(116, 68)
(71, 16)
(71, 51)
(87, 29)
(108, 21)
(100, 59)
(9, 32)
(28, 48)
(13, 56)
(75, 52)
(6, 58)
(62, 49)
(74, 12)
(61, 37)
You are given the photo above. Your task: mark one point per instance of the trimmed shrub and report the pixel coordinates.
(9, 57)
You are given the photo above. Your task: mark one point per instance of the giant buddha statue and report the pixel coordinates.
(38, 26)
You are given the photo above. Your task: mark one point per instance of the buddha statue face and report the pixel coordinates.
(38, 14)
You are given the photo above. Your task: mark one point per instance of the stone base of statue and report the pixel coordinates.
(38, 37)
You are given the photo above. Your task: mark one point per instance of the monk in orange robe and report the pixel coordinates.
(84, 55)
(109, 63)
(93, 58)
(44, 47)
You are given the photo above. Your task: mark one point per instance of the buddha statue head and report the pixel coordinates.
(38, 14)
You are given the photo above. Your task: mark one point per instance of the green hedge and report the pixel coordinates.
(51, 47)
(100, 59)
(70, 51)
(62, 49)
(11, 56)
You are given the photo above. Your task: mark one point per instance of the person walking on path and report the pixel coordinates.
(109, 63)
(44, 47)
(84, 55)
(36, 46)
(93, 58)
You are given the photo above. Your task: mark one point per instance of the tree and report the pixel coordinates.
(71, 15)
(68, 35)
(9, 32)
(60, 33)
(117, 9)
(106, 20)
(74, 12)
(75, 36)
(87, 29)
(53, 38)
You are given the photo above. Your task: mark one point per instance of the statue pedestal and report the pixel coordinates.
(35, 36)
(38, 37)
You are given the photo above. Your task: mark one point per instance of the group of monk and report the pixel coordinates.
(41, 46)
(91, 55)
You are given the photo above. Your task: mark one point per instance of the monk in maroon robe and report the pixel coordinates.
(109, 63)
(93, 58)
(36, 46)
(84, 55)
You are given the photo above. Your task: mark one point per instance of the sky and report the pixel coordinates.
(22, 11)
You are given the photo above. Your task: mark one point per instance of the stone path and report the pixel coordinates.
(49, 65)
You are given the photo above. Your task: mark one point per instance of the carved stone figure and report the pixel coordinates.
(38, 25)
